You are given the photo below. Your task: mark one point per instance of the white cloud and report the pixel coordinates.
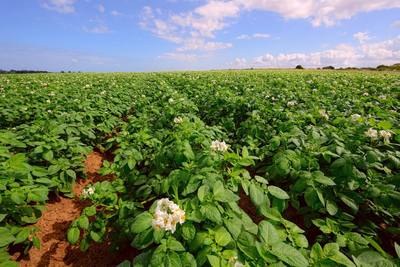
(344, 55)
(60, 6)
(115, 13)
(253, 36)
(318, 12)
(98, 29)
(361, 36)
(189, 31)
(196, 29)
(396, 24)
(388, 52)
(201, 45)
(180, 57)
(240, 62)
(101, 8)
(261, 35)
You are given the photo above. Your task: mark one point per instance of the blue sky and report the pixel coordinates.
(138, 35)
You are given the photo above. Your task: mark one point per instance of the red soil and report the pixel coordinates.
(248, 206)
(54, 223)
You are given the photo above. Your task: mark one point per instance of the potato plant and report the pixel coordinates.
(249, 168)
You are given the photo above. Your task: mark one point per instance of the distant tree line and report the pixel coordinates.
(395, 67)
(23, 71)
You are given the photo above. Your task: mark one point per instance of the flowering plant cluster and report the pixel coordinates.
(219, 146)
(167, 215)
(296, 185)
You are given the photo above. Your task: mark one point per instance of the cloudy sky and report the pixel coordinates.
(153, 35)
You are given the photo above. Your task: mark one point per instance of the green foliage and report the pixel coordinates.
(303, 170)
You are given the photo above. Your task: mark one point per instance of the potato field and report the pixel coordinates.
(220, 168)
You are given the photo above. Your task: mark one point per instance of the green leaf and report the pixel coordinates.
(300, 240)
(218, 189)
(192, 185)
(256, 195)
(283, 166)
(317, 252)
(223, 195)
(188, 152)
(188, 260)
(234, 226)
(214, 260)
(372, 258)
(397, 248)
(18, 198)
(84, 245)
(22, 235)
(349, 202)
(290, 255)
(5, 237)
(188, 231)
(96, 236)
(143, 239)
(39, 171)
(175, 245)
(331, 207)
(73, 235)
(342, 259)
(268, 233)
(36, 242)
(385, 125)
(212, 213)
(83, 222)
(322, 179)
(9, 263)
(125, 263)
(142, 222)
(222, 236)
(90, 211)
(277, 192)
(143, 259)
(158, 235)
(156, 258)
(201, 193)
(173, 260)
(71, 174)
(48, 155)
(53, 169)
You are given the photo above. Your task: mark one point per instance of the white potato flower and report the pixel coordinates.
(383, 97)
(219, 146)
(171, 100)
(292, 103)
(323, 114)
(167, 215)
(365, 94)
(372, 133)
(386, 135)
(48, 101)
(88, 191)
(355, 117)
(233, 261)
(178, 120)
